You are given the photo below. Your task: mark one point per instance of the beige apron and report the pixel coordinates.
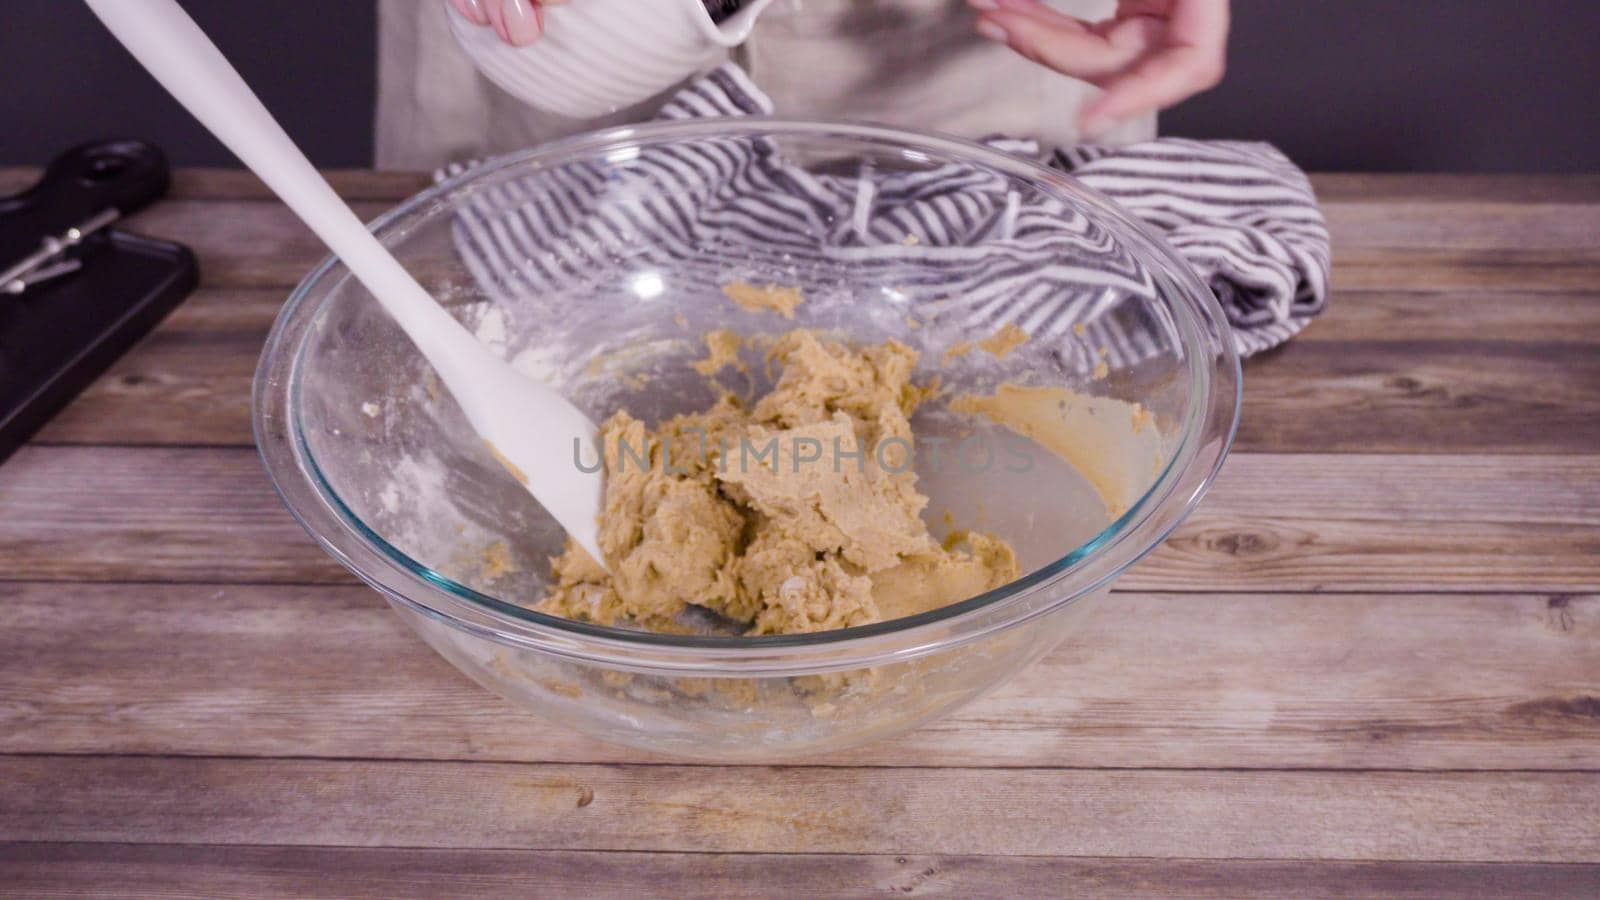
(913, 63)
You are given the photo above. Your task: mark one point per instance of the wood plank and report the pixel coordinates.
(1386, 523)
(1505, 227)
(114, 870)
(1501, 228)
(1320, 522)
(259, 247)
(1419, 318)
(1482, 817)
(1449, 245)
(143, 514)
(1377, 245)
(1377, 269)
(1467, 396)
(367, 184)
(1391, 372)
(239, 184)
(1147, 680)
(1390, 232)
(243, 244)
(1447, 187)
(1331, 187)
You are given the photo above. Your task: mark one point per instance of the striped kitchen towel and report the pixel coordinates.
(1241, 214)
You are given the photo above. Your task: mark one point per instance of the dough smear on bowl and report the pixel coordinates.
(797, 514)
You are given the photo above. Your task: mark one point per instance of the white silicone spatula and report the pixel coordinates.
(529, 427)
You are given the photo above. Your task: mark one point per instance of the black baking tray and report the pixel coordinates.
(62, 334)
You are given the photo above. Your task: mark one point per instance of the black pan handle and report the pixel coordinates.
(127, 175)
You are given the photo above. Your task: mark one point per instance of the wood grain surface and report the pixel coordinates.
(1458, 816)
(1273, 522)
(1369, 665)
(1488, 373)
(1168, 680)
(189, 870)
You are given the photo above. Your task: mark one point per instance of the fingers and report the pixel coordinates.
(524, 22)
(1163, 80)
(1192, 59)
(472, 10)
(1065, 44)
(517, 22)
(1152, 54)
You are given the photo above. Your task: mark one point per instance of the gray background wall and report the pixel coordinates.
(1375, 85)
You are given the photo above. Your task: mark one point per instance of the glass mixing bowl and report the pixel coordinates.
(597, 263)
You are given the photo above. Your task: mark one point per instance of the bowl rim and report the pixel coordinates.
(1212, 414)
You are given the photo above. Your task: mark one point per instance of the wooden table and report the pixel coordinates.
(1370, 663)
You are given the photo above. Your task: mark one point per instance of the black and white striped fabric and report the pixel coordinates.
(1242, 215)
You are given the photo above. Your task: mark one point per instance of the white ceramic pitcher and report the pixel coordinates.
(598, 56)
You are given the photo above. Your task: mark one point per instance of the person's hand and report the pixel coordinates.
(1150, 55)
(518, 22)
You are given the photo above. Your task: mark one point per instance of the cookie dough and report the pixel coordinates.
(797, 514)
(722, 351)
(1002, 342)
(758, 298)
